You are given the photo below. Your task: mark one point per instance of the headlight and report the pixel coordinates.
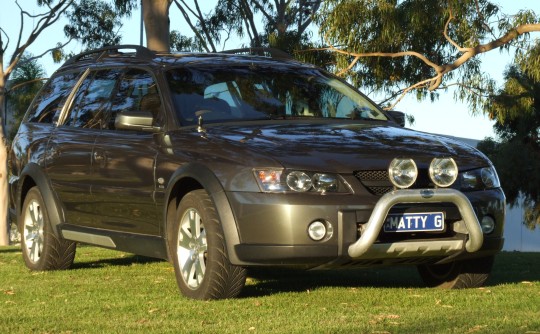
(479, 179)
(402, 172)
(278, 180)
(299, 181)
(443, 171)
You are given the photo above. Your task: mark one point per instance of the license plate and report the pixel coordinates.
(414, 222)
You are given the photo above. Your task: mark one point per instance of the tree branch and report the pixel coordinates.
(445, 32)
(384, 54)
(44, 52)
(47, 20)
(8, 91)
(204, 27)
(193, 28)
(263, 11)
(307, 22)
(482, 48)
(250, 23)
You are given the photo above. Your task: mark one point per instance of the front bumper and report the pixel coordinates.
(273, 227)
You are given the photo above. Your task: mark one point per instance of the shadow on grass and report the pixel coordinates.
(509, 268)
(128, 260)
(264, 282)
(10, 249)
(515, 267)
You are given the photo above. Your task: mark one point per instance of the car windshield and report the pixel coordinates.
(261, 92)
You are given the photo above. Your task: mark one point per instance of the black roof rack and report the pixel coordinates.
(260, 51)
(97, 54)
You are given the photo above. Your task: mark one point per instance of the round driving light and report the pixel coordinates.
(319, 230)
(299, 181)
(443, 171)
(402, 172)
(487, 224)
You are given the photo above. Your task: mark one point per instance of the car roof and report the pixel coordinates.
(123, 55)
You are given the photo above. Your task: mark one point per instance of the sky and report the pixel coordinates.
(444, 116)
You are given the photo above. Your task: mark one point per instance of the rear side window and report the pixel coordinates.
(48, 104)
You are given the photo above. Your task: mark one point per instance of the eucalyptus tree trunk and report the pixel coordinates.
(4, 240)
(156, 24)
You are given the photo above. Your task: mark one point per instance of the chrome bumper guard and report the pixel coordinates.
(365, 247)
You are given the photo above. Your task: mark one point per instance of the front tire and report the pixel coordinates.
(41, 248)
(197, 247)
(457, 275)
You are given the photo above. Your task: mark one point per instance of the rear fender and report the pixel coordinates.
(31, 175)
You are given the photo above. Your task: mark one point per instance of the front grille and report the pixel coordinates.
(375, 181)
(378, 183)
(379, 191)
(372, 175)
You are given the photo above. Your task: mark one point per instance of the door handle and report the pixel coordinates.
(99, 157)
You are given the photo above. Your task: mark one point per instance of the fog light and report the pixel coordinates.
(402, 172)
(443, 171)
(487, 224)
(319, 230)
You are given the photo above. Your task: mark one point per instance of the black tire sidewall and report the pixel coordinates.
(470, 273)
(216, 255)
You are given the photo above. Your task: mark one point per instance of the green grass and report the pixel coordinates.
(114, 292)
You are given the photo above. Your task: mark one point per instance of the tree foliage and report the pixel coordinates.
(281, 24)
(40, 22)
(421, 45)
(94, 23)
(25, 82)
(516, 107)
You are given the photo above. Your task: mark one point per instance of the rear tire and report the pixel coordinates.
(198, 251)
(457, 275)
(41, 248)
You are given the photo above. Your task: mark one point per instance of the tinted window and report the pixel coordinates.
(48, 104)
(137, 91)
(261, 92)
(93, 99)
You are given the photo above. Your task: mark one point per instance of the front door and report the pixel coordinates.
(124, 161)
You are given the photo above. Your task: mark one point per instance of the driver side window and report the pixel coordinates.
(137, 91)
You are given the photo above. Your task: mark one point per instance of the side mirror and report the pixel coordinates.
(136, 121)
(399, 117)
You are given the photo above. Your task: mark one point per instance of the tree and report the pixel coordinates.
(516, 107)
(284, 23)
(51, 14)
(41, 22)
(156, 23)
(397, 47)
(25, 81)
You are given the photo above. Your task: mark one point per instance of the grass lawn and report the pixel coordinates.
(114, 292)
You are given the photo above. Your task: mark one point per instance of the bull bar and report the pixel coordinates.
(365, 246)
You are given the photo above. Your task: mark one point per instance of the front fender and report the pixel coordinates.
(193, 176)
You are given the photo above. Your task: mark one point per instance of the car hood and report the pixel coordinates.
(335, 147)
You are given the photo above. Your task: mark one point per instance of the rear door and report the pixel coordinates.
(70, 149)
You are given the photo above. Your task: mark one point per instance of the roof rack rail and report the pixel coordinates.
(260, 51)
(97, 54)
